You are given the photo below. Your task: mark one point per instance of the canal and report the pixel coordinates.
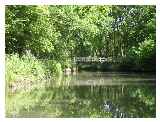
(86, 94)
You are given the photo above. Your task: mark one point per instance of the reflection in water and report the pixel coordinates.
(110, 107)
(87, 95)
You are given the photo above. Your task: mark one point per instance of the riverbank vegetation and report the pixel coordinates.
(63, 32)
(27, 67)
(59, 33)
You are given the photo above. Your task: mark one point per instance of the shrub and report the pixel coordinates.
(144, 54)
(25, 66)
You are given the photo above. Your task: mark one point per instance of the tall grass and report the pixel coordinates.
(27, 66)
(24, 67)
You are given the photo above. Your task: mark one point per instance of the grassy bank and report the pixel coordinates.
(28, 67)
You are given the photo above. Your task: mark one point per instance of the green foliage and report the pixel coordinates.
(26, 66)
(42, 40)
(60, 33)
(145, 49)
(144, 54)
(18, 31)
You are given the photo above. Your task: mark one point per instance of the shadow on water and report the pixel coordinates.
(88, 94)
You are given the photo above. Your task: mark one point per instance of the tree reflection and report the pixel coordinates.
(66, 100)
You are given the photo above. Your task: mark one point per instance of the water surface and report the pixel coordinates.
(87, 94)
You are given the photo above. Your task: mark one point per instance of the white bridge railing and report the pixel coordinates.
(97, 59)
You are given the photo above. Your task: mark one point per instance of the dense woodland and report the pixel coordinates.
(59, 33)
(41, 42)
